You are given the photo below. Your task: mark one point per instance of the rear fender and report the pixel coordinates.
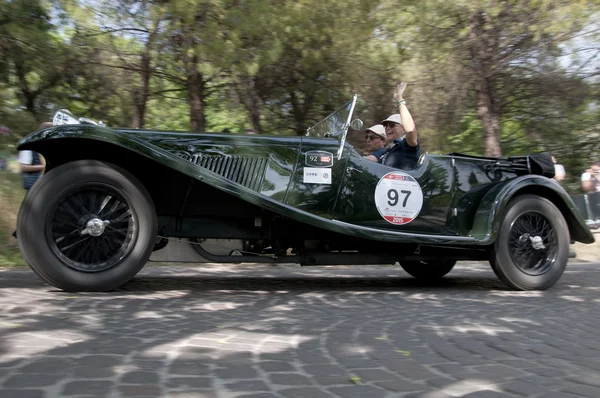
(492, 207)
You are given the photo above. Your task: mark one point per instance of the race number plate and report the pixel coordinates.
(319, 159)
(398, 198)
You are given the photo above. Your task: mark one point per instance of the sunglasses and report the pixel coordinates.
(372, 137)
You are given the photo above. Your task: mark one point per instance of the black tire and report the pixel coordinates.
(515, 258)
(103, 257)
(428, 270)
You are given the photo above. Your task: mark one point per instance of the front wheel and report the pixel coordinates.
(428, 270)
(87, 226)
(532, 247)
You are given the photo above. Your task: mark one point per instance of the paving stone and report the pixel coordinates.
(398, 386)
(139, 378)
(359, 363)
(90, 372)
(140, 391)
(289, 379)
(548, 372)
(276, 366)
(313, 357)
(457, 371)
(518, 363)
(82, 387)
(375, 375)
(22, 393)
(583, 390)
(248, 385)
(304, 392)
(441, 382)
(191, 369)
(31, 380)
(99, 361)
(555, 394)
(193, 382)
(408, 369)
(53, 366)
(325, 370)
(485, 394)
(525, 389)
(358, 392)
(427, 394)
(499, 371)
(238, 372)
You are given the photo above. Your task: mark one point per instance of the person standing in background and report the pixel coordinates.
(590, 179)
(31, 167)
(559, 170)
(31, 164)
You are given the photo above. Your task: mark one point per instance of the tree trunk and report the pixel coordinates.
(140, 97)
(28, 97)
(300, 110)
(489, 117)
(195, 85)
(483, 49)
(251, 100)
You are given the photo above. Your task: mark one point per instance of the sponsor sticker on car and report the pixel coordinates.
(317, 175)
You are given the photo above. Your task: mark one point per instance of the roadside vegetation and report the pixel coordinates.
(11, 195)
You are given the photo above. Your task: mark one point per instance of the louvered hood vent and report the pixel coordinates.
(245, 170)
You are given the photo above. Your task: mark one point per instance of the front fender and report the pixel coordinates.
(493, 205)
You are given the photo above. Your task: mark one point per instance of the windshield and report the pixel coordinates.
(334, 124)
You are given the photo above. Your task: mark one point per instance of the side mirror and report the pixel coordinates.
(356, 124)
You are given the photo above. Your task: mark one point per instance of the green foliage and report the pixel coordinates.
(282, 66)
(11, 196)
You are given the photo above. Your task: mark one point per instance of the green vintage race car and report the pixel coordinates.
(113, 199)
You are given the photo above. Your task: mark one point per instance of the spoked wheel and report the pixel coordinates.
(87, 226)
(428, 270)
(532, 248)
(91, 227)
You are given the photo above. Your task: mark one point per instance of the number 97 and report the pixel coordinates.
(394, 197)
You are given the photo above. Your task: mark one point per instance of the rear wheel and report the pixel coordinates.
(532, 247)
(87, 226)
(428, 270)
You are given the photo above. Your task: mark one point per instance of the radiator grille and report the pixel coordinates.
(245, 170)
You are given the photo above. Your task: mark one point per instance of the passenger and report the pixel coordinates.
(403, 149)
(375, 139)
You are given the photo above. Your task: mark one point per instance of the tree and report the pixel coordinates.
(33, 58)
(495, 41)
(131, 36)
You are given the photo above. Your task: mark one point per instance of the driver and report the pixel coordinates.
(375, 139)
(403, 150)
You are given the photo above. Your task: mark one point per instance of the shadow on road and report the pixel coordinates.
(298, 332)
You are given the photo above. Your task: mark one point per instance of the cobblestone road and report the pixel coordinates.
(291, 332)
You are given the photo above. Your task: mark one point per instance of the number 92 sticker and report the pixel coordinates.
(398, 198)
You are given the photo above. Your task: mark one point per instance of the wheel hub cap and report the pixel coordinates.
(536, 241)
(533, 243)
(95, 227)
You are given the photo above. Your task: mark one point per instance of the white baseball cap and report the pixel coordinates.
(377, 129)
(395, 118)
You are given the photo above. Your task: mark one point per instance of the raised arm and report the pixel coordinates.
(407, 120)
